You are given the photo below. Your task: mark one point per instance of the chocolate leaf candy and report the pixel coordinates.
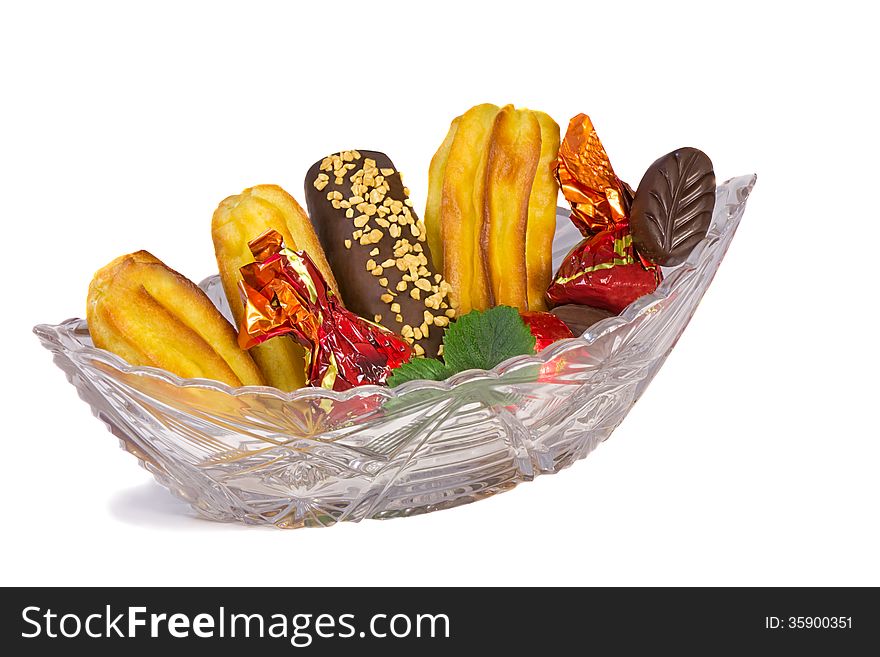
(673, 206)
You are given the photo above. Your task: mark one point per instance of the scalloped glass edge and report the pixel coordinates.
(736, 192)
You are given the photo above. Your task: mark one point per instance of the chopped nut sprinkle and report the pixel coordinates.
(365, 198)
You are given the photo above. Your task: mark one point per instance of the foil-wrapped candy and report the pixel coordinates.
(599, 199)
(546, 327)
(604, 270)
(284, 293)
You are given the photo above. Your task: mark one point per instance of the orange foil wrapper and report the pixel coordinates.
(284, 293)
(604, 270)
(599, 199)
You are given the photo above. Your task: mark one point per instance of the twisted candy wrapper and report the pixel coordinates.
(599, 199)
(604, 270)
(284, 293)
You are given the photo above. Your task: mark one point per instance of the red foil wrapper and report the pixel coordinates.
(546, 328)
(599, 199)
(284, 293)
(604, 271)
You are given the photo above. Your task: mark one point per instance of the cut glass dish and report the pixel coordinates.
(314, 457)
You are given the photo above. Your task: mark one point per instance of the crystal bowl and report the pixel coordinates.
(314, 457)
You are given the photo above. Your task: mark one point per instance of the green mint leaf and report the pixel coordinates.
(476, 341)
(419, 368)
(482, 339)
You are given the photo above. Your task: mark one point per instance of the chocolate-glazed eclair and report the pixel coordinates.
(377, 246)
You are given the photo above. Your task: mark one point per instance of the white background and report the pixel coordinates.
(751, 459)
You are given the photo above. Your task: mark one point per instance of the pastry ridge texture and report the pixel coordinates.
(541, 227)
(511, 161)
(150, 315)
(461, 210)
(238, 220)
(491, 210)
